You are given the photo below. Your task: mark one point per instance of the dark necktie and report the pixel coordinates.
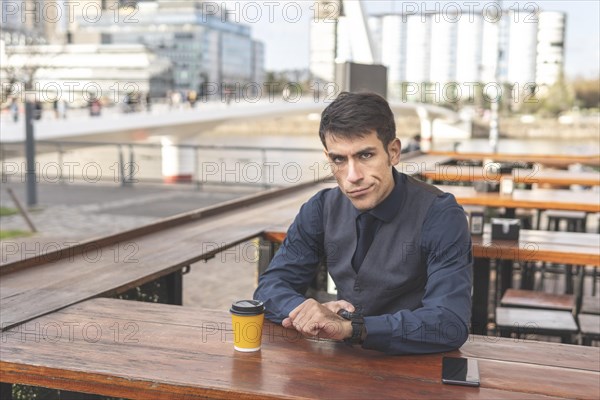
(366, 233)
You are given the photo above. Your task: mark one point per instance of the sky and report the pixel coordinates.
(283, 25)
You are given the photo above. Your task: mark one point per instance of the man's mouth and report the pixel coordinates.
(359, 192)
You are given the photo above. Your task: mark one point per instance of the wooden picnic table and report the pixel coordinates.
(464, 173)
(557, 160)
(145, 350)
(540, 199)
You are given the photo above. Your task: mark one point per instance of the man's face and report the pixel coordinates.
(362, 167)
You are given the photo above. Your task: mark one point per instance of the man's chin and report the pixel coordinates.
(362, 204)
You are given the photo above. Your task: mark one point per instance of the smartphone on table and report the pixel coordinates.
(460, 371)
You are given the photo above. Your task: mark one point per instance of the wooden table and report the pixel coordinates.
(145, 350)
(559, 247)
(558, 160)
(540, 199)
(463, 173)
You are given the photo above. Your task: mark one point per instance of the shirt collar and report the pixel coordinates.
(388, 208)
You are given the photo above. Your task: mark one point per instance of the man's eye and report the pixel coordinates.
(366, 156)
(338, 160)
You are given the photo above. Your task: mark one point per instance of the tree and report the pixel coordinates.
(587, 93)
(559, 98)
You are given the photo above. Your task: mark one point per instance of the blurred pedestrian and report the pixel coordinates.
(95, 107)
(192, 97)
(413, 145)
(14, 110)
(38, 109)
(60, 109)
(148, 102)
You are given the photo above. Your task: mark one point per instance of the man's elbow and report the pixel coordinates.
(455, 335)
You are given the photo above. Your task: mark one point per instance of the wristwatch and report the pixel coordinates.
(358, 325)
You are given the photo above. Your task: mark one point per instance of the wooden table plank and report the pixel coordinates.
(556, 177)
(540, 199)
(417, 165)
(189, 357)
(559, 160)
(562, 247)
(463, 173)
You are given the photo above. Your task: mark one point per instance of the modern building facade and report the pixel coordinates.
(430, 49)
(550, 47)
(324, 40)
(78, 73)
(206, 50)
(436, 49)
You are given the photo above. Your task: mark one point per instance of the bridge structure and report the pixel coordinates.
(175, 128)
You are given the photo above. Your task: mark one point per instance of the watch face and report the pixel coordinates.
(348, 315)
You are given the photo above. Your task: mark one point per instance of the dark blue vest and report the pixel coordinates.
(393, 274)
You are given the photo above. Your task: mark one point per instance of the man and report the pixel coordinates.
(398, 250)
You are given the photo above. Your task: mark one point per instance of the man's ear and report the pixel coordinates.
(394, 148)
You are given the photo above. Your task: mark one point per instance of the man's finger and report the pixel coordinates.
(346, 305)
(336, 306)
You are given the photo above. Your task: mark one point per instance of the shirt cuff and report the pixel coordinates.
(292, 304)
(378, 333)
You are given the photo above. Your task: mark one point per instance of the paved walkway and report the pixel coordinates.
(71, 213)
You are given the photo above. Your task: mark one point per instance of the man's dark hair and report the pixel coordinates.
(356, 115)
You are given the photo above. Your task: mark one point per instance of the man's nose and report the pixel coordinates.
(354, 172)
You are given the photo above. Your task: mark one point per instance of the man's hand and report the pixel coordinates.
(320, 320)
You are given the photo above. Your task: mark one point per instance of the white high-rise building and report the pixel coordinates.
(521, 48)
(469, 49)
(323, 39)
(550, 47)
(443, 50)
(418, 49)
(393, 40)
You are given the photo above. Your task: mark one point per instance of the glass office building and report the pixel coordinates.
(205, 50)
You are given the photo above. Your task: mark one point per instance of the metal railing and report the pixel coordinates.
(70, 161)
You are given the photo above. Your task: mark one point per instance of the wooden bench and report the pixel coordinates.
(589, 325)
(523, 321)
(575, 220)
(590, 304)
(536, 299)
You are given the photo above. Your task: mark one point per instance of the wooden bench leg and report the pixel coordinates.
(5, 391)
(567, 339)
(506, 274)
(481, 287)
(265, 254)
(175, 288)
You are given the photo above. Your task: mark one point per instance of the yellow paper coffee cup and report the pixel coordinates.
(247, 317)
